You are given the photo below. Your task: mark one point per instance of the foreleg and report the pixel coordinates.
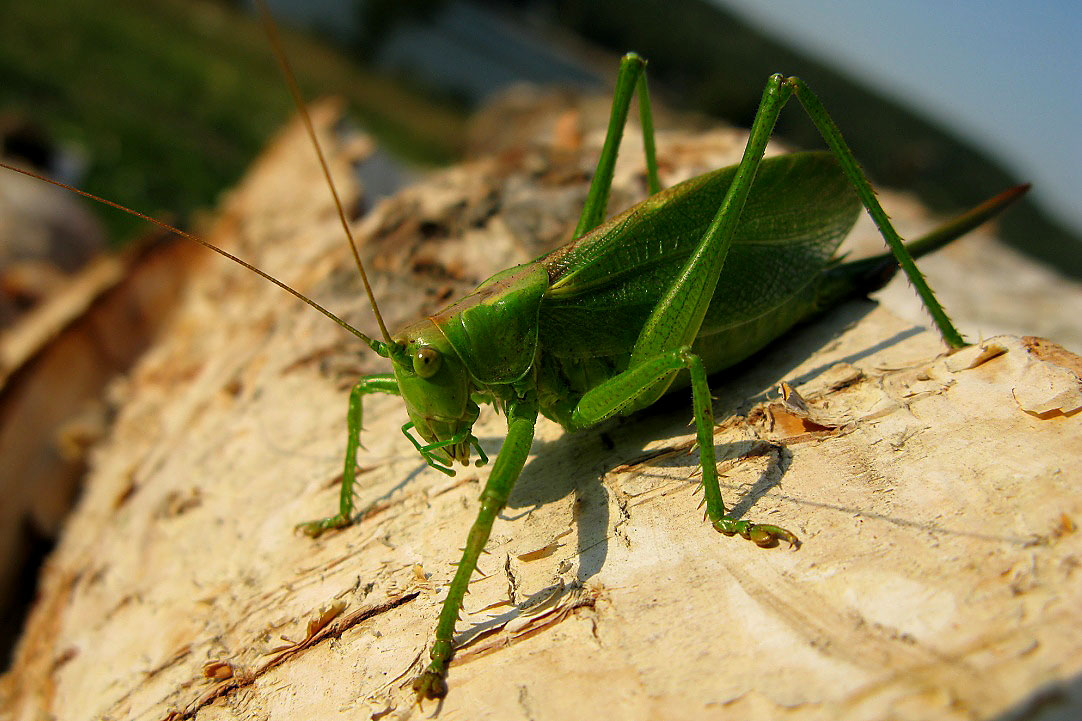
(379, 383)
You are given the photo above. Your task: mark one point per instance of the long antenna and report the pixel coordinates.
(375, 345)
(291, 81)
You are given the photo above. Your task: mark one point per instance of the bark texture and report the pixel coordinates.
(936, 497)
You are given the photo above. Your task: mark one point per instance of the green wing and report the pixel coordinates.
(604, 285)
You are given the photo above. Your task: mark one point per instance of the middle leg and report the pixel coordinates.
(623, 391)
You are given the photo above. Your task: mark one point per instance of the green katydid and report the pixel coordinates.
(701, 275)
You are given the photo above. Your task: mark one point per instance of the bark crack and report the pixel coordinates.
(334, 629)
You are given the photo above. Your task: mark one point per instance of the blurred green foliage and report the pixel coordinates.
(171, 99)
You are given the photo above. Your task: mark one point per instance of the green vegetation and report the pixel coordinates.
(171, 99)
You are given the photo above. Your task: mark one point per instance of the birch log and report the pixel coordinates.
(936, 496)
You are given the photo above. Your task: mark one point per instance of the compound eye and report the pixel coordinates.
(426, 361)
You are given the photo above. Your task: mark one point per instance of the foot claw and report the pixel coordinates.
(762, 535)
(314, 529)
(768, 536)
(430, 685)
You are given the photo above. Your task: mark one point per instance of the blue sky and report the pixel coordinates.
(1004, 74)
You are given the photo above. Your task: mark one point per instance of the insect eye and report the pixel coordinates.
(426, 361)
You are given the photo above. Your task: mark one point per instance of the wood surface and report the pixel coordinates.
(936, 497)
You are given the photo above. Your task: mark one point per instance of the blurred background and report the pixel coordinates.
(162, 104)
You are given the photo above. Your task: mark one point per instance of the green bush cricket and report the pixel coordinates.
(701, 276)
